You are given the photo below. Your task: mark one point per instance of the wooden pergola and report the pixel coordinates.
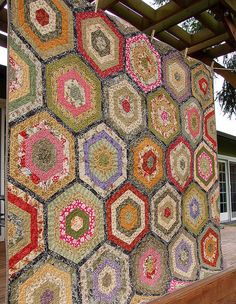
(216, 38)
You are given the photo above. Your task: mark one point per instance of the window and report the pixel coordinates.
(233, 188)
(223, 186)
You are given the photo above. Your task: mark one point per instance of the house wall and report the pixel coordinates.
(226, 146)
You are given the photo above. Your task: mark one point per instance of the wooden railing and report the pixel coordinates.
(217, 289)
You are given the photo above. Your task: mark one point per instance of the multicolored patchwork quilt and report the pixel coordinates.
(112, 183)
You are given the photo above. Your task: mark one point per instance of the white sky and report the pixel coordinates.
(223, 123)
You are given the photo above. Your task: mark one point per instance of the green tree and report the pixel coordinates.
(227, 95)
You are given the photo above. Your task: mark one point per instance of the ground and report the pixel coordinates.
(228, 240)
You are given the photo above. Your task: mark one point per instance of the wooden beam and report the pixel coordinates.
(3, 15)
(141, 8)
(219, 50)
(210, 42)
(181, 34)
(203, 35)
(230, 27)
(154, 15)
(210, 22)
(130, 16)
(205, 18)
(150, 14)
(216, 289)
(2, 4)
(182, 15)
(3, 41)
(105, 4)
(171, 40)
(3, 26)
(3, 20)
(230, 4)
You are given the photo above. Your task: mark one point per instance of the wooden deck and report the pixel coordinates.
(228, 239)
(217, 289)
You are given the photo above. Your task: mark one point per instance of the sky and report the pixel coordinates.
(223, 123)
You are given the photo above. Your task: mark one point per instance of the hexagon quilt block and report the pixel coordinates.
(163, 116)
(105, 277)
(179, 159)
(214, 204)
(25, 229)
(100, 42)
(73, 92)
(51, 280)
(150, 273)
(209, 248)
(25, 81)
(166, 212)
(183, 256)
(205, 166)
(192, 121)
(127, 217)
(103, 159)
(202, 85)
(176, 285)
(46, 24)
(143, 299)
(75, 223)
(195, 211)
(42, 155)
(143, 63)
(124, 106)
(210, 128)
(176, 76)
(148, 161)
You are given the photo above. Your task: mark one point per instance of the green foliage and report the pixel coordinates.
(191, 25)
(227, 95)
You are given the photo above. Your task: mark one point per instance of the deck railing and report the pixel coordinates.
(216, 289)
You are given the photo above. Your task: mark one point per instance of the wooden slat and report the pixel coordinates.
(3, 41)
(210, 42)
(171, 40)
(148, 12)
(130, 16)
(203, 35)
(230, 4)
(231, 28)
(219, 50)
(3, 27)
(180, 34)
(2, 4)
(105, 4)
(210, 22)
(182, 15)
(3, 15)
(140, 7)
(205, 18)
(217, 289)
